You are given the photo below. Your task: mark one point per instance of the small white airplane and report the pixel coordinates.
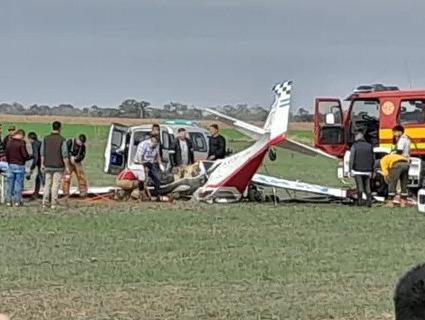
(229, 179)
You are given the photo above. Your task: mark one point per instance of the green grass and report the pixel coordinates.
(302, 135)
(232, 134)
(197, 261)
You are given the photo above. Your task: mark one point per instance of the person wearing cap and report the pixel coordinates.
(362, 161)
(395, 169)
(16, 156)
(11, 131)
(401, 142)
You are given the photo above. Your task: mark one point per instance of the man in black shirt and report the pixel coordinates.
(217, 144)
(36, 162)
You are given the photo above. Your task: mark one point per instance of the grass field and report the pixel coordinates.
(196, 261)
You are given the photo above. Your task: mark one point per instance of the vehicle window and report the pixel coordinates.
(165, 140)
(117, 138)
(365, 110)
(326, 107)
(198, 141)
(412, 111)
(140, 136)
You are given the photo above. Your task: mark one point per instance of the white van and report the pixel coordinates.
(123, 141)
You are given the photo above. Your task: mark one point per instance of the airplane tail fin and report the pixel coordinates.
(277, 121)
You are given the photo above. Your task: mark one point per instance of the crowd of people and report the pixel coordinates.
(392, 168)
(53, 161)
(149, 154)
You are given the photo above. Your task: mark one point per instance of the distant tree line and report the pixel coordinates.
(132, 108)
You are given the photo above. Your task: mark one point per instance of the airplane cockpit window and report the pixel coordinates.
(365, 119)
(412, 112)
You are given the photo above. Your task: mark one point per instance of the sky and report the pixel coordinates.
(205, 52)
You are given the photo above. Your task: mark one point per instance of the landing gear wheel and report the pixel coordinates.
(272, 155)
(255, 195)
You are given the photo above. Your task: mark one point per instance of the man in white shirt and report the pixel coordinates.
(148, 154)
(401, 142)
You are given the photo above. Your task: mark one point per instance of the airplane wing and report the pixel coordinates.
(267, 181)
(255, 132)
(291, 144)
(250, 130)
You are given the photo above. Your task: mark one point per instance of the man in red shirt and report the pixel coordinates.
(16, 156)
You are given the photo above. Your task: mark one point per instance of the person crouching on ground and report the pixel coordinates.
(148, 154)
(36, 163)
(395, 168)
(54, 163)
(16, 156)
(129, 181)
(77, 153)
(409, 297)
(361, 168)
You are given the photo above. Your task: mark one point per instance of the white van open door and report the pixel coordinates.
(116, 149)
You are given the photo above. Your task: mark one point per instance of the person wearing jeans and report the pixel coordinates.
(16, 156)
(148, 154)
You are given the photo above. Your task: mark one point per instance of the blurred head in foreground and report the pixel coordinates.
(409, 299)
(4, 317)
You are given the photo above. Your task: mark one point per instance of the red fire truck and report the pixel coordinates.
(373, 110)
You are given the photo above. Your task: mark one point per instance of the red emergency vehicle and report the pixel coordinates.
(373, 110)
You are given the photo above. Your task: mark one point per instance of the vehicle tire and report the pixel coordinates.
(272, 155)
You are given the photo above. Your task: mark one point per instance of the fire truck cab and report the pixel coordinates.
(374, 111)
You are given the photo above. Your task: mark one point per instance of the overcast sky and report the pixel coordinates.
(205, 52)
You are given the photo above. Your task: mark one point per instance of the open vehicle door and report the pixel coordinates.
(116, 149)
(329, 127)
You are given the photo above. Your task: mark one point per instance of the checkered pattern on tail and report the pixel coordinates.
(277, 121)
(283, 90)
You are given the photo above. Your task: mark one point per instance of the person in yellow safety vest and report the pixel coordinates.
(394, 168)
